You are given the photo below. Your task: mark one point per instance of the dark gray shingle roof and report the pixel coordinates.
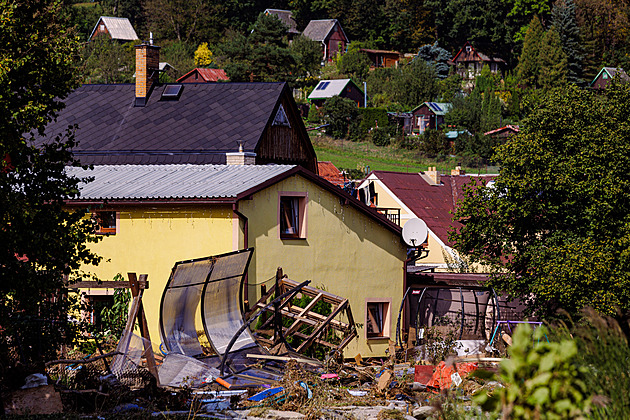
(318, 30)
(206, 121)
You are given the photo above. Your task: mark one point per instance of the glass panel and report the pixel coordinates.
(289, 217)
(375, 319)
(221, 303)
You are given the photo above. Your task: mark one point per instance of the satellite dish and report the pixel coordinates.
(415, 232)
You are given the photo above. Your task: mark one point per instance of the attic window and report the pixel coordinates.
(281, 118)
(172, 92)
(101, 27)
(604, 76)
(468, 48)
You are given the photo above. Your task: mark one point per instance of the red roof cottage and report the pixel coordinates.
(200, 75)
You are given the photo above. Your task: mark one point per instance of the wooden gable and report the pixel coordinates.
(284, 139)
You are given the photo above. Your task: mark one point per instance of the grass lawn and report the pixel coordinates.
(360, 155)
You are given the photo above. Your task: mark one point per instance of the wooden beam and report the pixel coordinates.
(308, 307)
(321, 327)
(134, 284)
(143, 284)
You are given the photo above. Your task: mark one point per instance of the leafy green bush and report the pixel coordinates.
(314, 115)
(380, 136)
(338, 113)
(542, 379)
(373, 117)
(434, 143)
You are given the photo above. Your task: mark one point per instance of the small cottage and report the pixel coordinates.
(606, 75)
(468, 62)
(429, 116)
(115, 28)
(331, 36)
(199, 75)
(345, 88)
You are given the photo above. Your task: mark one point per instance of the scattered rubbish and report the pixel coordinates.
(178, 370)
(383, 380)
(423, 373)
(358, 359)
(35, 380)
(442, 378)
(330, 376)
(262, 395)
(456, 379)
(309, 393)
(357, 393)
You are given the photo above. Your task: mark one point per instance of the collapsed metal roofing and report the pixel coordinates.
(135, 182)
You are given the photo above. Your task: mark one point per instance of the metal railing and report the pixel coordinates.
(392, 214)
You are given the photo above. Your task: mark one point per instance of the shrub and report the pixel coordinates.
(434, 143)
(338, 113)
(373, 117)
(380, 136)
(542, 379)
(314, 115)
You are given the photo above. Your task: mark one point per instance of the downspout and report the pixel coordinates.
(245, 220)
(325, 51)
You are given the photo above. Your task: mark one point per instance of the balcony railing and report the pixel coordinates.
(391, 213)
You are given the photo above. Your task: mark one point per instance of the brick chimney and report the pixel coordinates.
(147, 71)
(457, 171)
(434, 175)
(240, 157)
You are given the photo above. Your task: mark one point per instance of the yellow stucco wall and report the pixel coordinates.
(150, 239)
(344, 251)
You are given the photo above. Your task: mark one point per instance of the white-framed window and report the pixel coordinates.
(292, 215)
(377, 318)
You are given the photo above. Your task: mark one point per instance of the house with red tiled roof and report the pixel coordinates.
(200, 75)
(503, 132)
(430, 196)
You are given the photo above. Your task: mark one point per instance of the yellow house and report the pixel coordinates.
(427, 195)
(155, 215)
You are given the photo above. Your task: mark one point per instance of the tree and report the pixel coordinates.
(308, 56)
(338, 113)
(203, 55)
(528, 67)
(416, 82)
(107, 61)
(354, 64)
(437, 57)
(186, 20)
(555, 225)
(40, 242)
(564, 21)
(263, 56)
(553, 61)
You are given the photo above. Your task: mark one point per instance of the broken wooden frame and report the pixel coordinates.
(304, 323)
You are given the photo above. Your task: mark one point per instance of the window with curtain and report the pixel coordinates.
(289, 217)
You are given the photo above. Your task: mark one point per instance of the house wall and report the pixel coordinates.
(434, 120)
(150, 239)
(601, 83)
(193, 77)
(101, 29)
(336, 42)
(345, 252)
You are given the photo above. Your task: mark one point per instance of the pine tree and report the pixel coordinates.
(564, 20)
(528, 63)
(552, 60)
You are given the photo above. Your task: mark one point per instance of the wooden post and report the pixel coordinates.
(142, 321)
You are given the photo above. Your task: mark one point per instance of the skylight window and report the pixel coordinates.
(322, 85)
(172, 92)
